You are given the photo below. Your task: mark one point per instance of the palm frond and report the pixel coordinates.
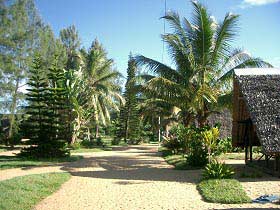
(224, 34)
(202, 34)
(159, 68)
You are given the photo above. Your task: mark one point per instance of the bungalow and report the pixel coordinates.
(256, 112)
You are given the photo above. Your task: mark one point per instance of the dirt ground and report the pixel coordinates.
(136, 177)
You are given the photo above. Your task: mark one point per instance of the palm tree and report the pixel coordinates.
(203, 64)
(101, 79)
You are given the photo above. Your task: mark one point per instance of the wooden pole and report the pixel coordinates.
(158, 130)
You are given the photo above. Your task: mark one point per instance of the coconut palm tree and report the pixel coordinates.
(101, 79)
(203, 60)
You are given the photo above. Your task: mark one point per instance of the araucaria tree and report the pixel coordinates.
(44, 126)
(130, 112)
(203, 61)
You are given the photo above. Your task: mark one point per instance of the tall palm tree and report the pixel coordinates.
(203, 64)
(102, 87)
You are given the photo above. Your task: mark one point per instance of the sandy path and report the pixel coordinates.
(133, 178)
(136, 178)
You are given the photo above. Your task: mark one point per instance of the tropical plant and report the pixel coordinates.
(204, 61)
(197, 152)
(103, 91)
(216, 170)
(210, 138)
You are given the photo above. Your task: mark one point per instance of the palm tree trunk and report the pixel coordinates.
(203, 116)
(187, 119)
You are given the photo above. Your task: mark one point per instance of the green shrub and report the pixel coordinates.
(115, 141)
(172, 143)
(216, 170)
(75, 145)
(87, 144)
(99, 141)
(197, 151)
(165, 151)
(197, 155)
(223, 146)
(223, 191)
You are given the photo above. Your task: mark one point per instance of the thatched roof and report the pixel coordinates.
(261, 90)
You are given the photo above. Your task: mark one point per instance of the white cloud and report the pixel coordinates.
(249, 3)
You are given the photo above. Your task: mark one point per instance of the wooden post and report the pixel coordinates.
(276, 163)
(266, 160)
(278, 157)
(251, 151)
(246, 153)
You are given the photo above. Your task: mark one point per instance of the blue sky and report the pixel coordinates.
(124, 26)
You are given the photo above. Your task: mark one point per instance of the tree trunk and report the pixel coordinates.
(97, 131)
(12, 114)
(202, 117)
(187, 119)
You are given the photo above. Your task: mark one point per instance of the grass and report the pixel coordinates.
(237, 156)
(178, 161)
(97, 149)
(227, 191)
(4, 148)
(7, 162)
(26, 191)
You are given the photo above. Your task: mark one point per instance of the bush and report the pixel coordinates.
(224, 146)
(99, 141)
(197, 155)
(216, 170)
(115, 141)
(87, 144)
(75, 145)
(172, 144)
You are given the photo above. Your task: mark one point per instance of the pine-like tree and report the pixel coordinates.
(129, 114)
(45, 103)
(36, 126)
(58, 109)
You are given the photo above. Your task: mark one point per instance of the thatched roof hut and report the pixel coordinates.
(256, 109)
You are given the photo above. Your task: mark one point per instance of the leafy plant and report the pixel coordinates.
(99, 141)
(197, 155)
(224, 145)
(216, 170)
(87, 144)
(115, 141)
(210, 138)
(172, 143)
(76, 145)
